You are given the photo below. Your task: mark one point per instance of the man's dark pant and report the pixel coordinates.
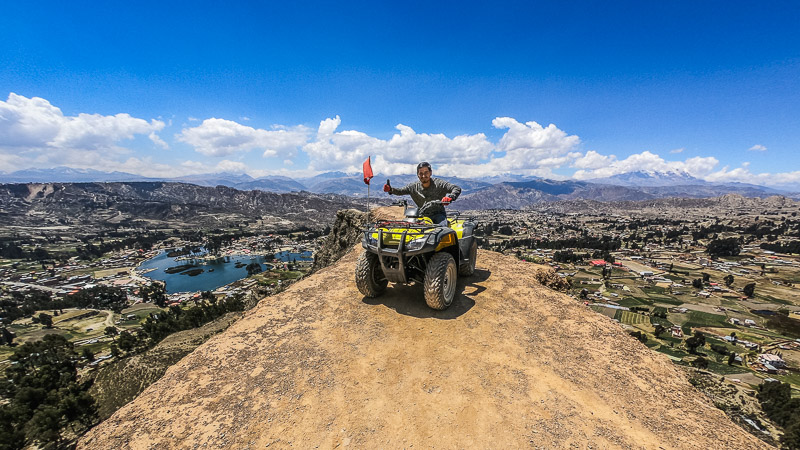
(439, 219)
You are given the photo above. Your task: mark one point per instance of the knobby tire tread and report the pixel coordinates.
(367, 263)
(434, 280)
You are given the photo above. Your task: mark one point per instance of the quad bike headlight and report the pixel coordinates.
(371, 240)
(418, 243)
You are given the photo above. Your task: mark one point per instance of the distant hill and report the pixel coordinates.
(526, 194)
(500, 191)
(67, 175)
(650, 178)
(153, 203)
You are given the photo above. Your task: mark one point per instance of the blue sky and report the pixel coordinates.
(584, 90)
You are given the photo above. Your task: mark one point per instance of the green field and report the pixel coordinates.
(671, 351)
(609, 312)
(704, 319)
(660, 320)
(667, 300)
(634, 301)
(631, 318)
(723, 368)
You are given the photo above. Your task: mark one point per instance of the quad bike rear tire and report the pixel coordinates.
(466, 270)
(369, 276)
(441, 277)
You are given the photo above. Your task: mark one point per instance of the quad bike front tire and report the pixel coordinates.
(369, 276)
(466, 270)
(440, 281)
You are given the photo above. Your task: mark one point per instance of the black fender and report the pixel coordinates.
(465, 242)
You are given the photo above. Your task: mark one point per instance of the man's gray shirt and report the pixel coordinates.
(437, 190)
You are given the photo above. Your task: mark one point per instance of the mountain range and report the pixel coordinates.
(498, 191)
(155, 203)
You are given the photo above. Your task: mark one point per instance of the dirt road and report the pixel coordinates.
(511, 364)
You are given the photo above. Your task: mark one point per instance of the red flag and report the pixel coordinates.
(367, 171)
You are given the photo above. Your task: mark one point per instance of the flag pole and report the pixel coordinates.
(367, 177)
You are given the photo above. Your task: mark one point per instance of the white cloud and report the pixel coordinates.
(593, 160)
(34, 133)
(93, 131)
(231, 166)
(38, 134)
(220, 137)
(742, 174)
(698, 167)
(533, 139)
(35, 123)
(347, 150)
(526, 148)
(158, 141)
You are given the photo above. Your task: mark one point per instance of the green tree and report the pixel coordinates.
(724, 247)
(46, 320)
(126, 341)
(706, 277)
(44, 426)
(88, 354)
(154, 293)
(639, 335)
(731, 358)
(698, 340)
(749, 289)
(6, 336)
(697, 283)
(700, 363)
(659, 330)
(111, 332)
(791, 434)
(11, 434)
(728, 280)
(43, 394)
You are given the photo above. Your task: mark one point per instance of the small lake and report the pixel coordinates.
(215, 274)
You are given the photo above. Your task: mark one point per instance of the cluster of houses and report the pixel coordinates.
(769, 363)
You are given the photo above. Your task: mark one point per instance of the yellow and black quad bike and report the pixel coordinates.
(415, 250)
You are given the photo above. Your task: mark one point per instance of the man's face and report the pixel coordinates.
(424, 175)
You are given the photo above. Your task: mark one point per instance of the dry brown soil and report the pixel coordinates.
(511, 364)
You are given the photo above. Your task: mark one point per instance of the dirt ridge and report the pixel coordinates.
(510, 364)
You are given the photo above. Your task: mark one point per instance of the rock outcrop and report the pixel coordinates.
(346, 232)
(510, 364)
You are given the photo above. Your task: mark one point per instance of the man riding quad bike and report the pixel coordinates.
(418, 250)
(425, 191)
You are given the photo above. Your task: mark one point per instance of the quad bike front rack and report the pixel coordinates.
(396, 274)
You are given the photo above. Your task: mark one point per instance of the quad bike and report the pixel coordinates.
(415, 250)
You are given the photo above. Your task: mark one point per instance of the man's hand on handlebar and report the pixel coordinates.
(446, 200)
